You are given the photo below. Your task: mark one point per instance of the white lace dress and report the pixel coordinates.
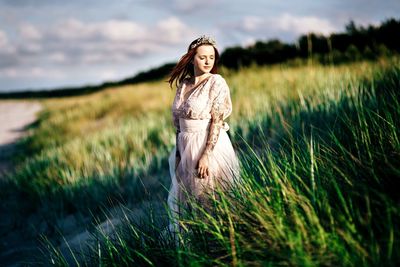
(192, 119)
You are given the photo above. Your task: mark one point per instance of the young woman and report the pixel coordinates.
(203, 158)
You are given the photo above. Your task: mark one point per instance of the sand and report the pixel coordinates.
(15, 116)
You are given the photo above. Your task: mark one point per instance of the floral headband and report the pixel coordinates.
(203, 40)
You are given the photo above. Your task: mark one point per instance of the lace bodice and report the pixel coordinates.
(211, 96)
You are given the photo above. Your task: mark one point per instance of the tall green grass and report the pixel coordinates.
(319, 148)
(325, 195)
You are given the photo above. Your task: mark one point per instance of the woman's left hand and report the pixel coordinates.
(203, 166)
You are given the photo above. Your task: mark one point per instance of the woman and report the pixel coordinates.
(203, 159)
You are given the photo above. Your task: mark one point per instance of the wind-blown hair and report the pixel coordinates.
(185, 67)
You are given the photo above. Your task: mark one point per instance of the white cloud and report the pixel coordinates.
(301, 25)
(3, 39)
(8, 54)
(31, 48)
(31, 72)
(29, 32)
(9, 72)
(183, 6)
(5, 46)
(252, 23)
(169, 30)
(75, 42)
(71, 29)
(108, 74)
(285, 26)
(121, 30)
(172, 30)
(57, 57)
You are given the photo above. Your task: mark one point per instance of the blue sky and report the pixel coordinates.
(54, 43)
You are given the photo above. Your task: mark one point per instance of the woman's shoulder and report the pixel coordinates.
(218, 79)
(217, 76)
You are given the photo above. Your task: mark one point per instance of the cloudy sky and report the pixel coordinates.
(54, 43)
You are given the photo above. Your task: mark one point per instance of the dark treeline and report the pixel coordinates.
(355, 43)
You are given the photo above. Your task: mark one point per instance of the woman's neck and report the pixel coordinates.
(199, 77)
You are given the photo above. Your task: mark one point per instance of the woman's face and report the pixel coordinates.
(204, 59)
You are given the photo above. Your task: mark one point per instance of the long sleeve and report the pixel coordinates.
(221, 108)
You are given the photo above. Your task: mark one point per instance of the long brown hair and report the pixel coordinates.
(184, 67)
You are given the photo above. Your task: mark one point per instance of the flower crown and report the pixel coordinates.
(203, 40)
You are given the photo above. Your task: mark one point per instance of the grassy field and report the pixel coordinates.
(320, 155)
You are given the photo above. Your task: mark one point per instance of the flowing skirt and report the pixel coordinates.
(223, 166)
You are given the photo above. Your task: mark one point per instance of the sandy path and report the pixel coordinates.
(14, 117)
